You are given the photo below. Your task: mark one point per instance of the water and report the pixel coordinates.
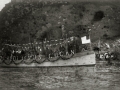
(61, 78)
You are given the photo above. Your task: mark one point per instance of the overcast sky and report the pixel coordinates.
(3, 2)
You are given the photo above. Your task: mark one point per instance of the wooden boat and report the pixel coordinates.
(82, 58)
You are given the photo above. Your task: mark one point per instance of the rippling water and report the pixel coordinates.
(60, 78)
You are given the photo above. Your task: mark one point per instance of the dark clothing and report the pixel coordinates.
(61, 48)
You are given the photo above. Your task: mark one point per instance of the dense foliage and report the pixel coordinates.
(24, 22)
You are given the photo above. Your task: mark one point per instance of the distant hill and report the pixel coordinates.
(22, 22)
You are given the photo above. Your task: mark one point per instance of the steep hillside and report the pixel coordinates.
(23, 22)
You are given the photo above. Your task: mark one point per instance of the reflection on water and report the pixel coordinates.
(58, 78)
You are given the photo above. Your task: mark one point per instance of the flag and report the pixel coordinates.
(85, 40)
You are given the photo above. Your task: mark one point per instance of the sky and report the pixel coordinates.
(2, 3)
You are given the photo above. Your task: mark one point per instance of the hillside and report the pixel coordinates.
(26, 21)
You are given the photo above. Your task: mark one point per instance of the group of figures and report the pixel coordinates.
(107, 54)
(29, 59)
(18, 56)
(39, 53)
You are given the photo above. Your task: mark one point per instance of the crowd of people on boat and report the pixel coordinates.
(10, 51)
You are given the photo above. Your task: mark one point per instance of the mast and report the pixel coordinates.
(99, 43)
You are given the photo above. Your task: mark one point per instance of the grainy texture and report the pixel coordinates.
(99, 77)
(23, 21)
(53, 20)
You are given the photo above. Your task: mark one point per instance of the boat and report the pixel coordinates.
(49, 58)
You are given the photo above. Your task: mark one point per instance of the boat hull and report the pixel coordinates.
(84, 58)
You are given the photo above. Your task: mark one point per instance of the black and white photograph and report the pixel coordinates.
(59, 45)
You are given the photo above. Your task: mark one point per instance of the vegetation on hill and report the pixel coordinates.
(24, 22)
